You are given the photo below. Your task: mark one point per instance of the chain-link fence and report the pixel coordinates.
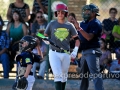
(109, 16)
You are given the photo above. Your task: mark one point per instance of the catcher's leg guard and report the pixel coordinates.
(63, 85)
(58, 85)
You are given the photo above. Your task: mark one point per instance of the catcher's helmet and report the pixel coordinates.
(31, 42)
(61, 7)
(93, 9)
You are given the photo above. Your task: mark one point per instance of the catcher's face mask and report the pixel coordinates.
(25, 44)
(86, 12)
(28, 43)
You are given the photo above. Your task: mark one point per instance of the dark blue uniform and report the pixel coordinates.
(89, 60)
(94, 27)
(25, 58)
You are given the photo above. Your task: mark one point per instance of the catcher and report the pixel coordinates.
(25, 78)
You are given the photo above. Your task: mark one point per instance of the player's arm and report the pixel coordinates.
(86, 35)
(77, 40)
(28, 69)
(77, 44)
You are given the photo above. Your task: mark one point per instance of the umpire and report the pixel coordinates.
(89, 32)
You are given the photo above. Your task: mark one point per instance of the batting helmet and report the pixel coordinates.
(93, 9)
(31, 42)
(61, 7)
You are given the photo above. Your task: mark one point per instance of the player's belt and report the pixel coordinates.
(60, 51)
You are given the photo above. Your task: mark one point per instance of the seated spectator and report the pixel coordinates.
(108, 25)
(40, 50)
(21, 7)
(4, 45)
(39, 25)
(105, 58)
(40, 5)
(116, 34)
(16, 29)
(115, 66)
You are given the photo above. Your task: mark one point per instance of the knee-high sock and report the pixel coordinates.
(63, 85)
(58, 85)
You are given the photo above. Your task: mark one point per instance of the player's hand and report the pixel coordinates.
(74, 53)
(46, 42)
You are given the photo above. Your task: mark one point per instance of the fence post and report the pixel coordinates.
(49, 19)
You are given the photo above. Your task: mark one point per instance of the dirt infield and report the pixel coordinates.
(109, 84)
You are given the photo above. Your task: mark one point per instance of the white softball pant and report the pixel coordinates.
(31, 80)
(59, 63)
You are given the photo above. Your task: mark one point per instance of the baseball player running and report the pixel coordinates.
(25, 78)
(60, 32)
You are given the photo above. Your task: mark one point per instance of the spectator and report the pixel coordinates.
(105, 58)
(4, 45)
(40, 50)
(40, 23)
(71, 17)
(40, 5)
(16, 29)
(21, 7)
(108, 25)
(116, 34)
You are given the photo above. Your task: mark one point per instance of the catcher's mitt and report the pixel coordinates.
(22, 84)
